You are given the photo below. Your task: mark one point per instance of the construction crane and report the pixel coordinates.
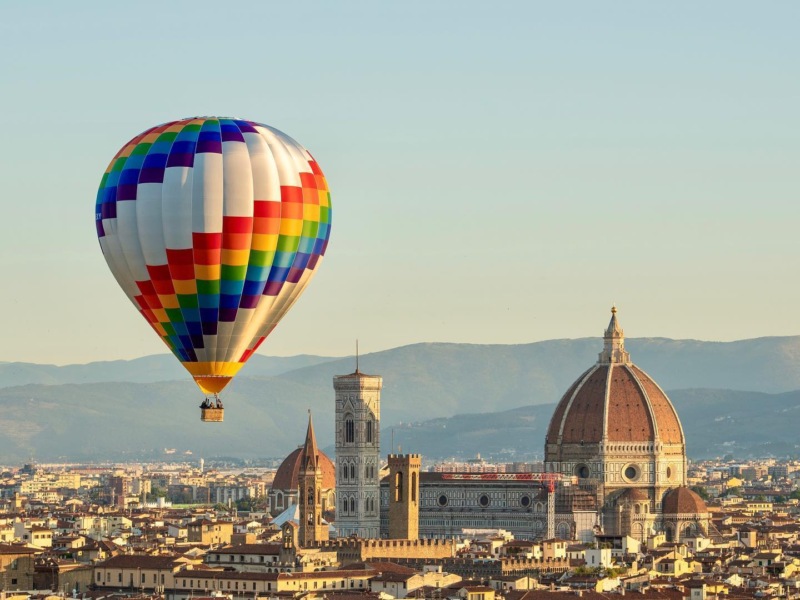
(549, 483)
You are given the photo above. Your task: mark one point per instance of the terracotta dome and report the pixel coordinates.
(286, 475)
(614, 400)
(634, 495)
(682, 500)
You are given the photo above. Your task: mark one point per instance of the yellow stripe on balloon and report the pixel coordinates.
(266, 242)
(292, 227)
(184, 286)
(169, 301)
(212, 377)
(235, 257)
(207, 272)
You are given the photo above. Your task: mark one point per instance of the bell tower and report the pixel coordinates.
(309, 487)
(358, 443)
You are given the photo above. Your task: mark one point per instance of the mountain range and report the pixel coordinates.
(440, 399)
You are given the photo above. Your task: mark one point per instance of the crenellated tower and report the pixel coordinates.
(404, 496)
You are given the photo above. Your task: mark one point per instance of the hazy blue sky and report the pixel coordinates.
(500, 172)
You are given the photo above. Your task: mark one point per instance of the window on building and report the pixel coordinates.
(398, 487)
(352, 505)
(352, 471)
(369, 431)
(349, 430)
(413, 487)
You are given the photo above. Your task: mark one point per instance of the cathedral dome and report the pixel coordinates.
(682, 500)
(615, 402)
(287, 473)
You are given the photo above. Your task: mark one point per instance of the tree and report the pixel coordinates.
(700, 491)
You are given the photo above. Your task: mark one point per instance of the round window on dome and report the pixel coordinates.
(525, 501)
(669, 473)
(484, 500)
(582, 471)
(631, 472)
(442, 500)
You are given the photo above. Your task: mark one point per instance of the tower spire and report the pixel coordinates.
(310, 451)
(614, 342)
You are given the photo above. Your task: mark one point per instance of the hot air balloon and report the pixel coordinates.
(213, 227)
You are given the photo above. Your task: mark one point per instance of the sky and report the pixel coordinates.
(500, 172)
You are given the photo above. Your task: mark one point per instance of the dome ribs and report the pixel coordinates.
(669, 426)
(583, 422)
(628, 417)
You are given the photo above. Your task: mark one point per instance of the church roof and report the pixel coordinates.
(286, 475)
(682, 500)
(614, 401)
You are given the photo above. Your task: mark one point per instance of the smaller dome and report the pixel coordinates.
(287, 474)
(682, 501)
(634, 495)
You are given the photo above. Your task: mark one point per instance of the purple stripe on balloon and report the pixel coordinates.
(246, 127)
(272, 288)
(249, 301)
(152, 175)
(209, 146)
(231, 133)
(294, 275)
(126, 192)
(180, 160)
(108, 210)
(99, 226)
(227, 314)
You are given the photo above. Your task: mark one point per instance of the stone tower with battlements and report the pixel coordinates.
(309, 486)
(404, 496)
(358, 415)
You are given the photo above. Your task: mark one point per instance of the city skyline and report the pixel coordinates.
(498, 174)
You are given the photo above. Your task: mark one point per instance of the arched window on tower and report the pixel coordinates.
(349, 430)
(369, 431)
(413, 497)
(352, 471)
(353, 505)
(398, 487)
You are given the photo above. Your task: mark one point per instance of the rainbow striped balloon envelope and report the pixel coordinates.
(213, 227)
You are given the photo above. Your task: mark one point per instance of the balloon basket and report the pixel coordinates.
(212, 415)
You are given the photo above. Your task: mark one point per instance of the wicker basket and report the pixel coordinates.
(212, 415)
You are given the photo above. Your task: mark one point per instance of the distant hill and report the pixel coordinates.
(132, 408)
(148, 369)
